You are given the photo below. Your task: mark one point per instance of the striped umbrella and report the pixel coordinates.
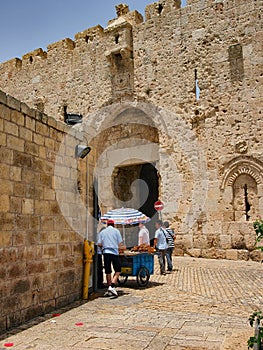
(125, 216)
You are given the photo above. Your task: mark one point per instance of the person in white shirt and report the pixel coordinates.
(143, 235)
(160, 243)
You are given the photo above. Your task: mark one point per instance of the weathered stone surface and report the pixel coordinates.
(204, 306)
(29, 239)
(137, 85)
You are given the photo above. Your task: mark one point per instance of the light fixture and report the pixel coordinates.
(72, 118)
(82, 151)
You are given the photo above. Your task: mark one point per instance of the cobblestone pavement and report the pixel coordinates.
(204, 304)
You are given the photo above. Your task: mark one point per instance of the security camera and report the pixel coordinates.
(82, 151)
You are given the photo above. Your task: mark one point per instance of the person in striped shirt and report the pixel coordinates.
(170, 241)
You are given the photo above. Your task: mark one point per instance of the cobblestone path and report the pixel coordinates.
(204, 304)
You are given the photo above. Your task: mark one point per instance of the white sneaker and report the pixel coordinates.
(113, 291)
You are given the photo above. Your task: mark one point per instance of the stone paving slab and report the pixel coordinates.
(203, 305)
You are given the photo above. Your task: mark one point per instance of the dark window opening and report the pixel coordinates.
(235, 57)
(117, 37)
(31, 59)
(150, 175)
(196, 89)
(160, 8)
(118, 61)
(247, 204)
(87, 39)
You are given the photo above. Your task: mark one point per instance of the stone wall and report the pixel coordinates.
(195, 75)
(40, 254)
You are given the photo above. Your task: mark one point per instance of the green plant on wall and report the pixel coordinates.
(258, 226)
(255, 320)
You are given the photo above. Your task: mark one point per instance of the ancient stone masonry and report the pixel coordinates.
(181, 89)
(40, 253)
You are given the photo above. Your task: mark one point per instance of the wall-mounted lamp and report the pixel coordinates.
(82, 151)
(72, 118)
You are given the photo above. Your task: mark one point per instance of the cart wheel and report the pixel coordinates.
(143, 277)
(122, 280)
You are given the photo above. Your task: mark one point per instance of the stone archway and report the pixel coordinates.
(123, 148)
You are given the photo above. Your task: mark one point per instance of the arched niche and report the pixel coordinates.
(242, 186)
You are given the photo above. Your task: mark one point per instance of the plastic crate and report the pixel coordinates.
(143, 260)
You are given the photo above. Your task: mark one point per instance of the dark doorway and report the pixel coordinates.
(141, 197)
(150, 175)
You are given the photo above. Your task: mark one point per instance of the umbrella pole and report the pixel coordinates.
(124, 241)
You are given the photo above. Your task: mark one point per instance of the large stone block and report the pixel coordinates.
(3, 138)
(238, 241)
(36, 267)
(21, 286)
(14, 104)
(7, 221)
(214, 253)
(231, 254)
(256, 255)
(27, 206)
(22, 160)
(42, 129)
(4, 172)
(6, 155)
(64, 249)
(194, 252)
(15, 173)
(5, 238)
(3, 325)
(5, 112)
(250, 241)
(66, 277)
(48, 294)
(32, 312)
(6, 187)
(29, 112)
(49, 251)
(30, 123)
(4, 203)
(61, 301)
(213, 241)
(16, 270)
(31, 148)
(200, 242)
(49, 306)
(243, 254)
(225, 241)
(10, 128)
(22, 222)
(14, 319)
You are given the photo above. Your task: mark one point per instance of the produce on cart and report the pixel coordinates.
(138, 262)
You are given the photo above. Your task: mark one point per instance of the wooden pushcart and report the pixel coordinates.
(140, 265)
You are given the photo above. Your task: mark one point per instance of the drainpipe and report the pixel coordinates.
(88, 246)
(88, 259)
